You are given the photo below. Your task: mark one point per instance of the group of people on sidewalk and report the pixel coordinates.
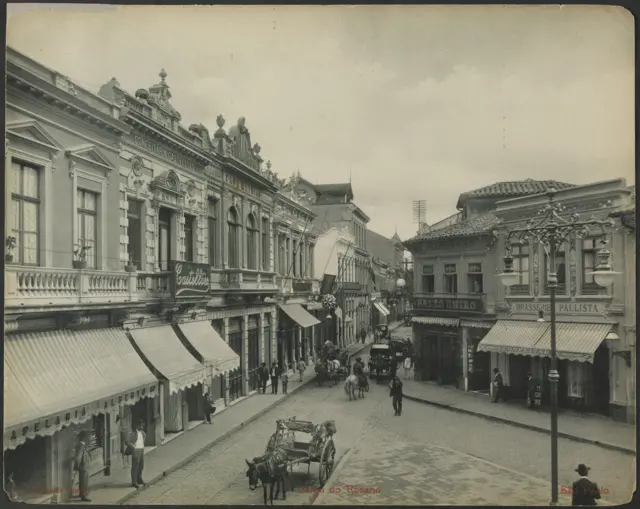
(277, 374)
(534, 389)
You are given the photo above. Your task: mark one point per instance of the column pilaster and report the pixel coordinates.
(245, 356)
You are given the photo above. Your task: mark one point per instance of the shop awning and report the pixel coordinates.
(513, 337)
(574, 341)
(298, 314)
(436, 320)
(403, 333)
(211, 347)
(475, 324)
(164, 351)
(381, 307)
(54, 379)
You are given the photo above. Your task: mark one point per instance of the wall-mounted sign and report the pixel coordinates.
(562, 308)
(455, 304)
(162, 152)
(241, 185)
(191, 279)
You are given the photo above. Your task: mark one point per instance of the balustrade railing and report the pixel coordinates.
(153, 285)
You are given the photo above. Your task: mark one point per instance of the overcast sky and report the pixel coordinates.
(412, 102)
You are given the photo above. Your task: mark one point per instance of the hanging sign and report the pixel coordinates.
(191, 279)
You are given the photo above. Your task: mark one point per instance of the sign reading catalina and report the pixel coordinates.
(562, 308)
(448, 304)
(191, 279)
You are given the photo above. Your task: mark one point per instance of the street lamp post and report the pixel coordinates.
(552, 231)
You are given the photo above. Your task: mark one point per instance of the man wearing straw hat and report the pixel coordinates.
(584, 490)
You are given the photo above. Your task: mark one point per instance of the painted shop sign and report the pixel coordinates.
(80, 413)
(162, 152)
(241, 185)
(562, 308)
(191, 279)
(448, 304)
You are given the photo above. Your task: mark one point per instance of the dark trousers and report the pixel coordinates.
(207, 414)
(263, 385)
(137, 466)
(274, 385)
(83, 478)
(498, 393)
(284, 386)
(397, 404)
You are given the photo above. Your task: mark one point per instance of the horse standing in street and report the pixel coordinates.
(352, 383)
(269, 469)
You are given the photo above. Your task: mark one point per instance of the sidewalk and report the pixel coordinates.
(163, 460)
(585, 428)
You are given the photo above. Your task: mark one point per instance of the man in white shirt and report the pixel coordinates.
(136, 443)
(408, 364)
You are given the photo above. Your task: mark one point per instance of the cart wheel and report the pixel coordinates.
(327, 458)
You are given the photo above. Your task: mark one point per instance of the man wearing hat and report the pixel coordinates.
(135, 446)
(358, 370)
(81, 464)
(585, 491)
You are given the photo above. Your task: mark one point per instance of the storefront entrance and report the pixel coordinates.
(25, 470)
(236, 389)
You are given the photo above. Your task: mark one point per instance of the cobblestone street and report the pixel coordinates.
(427, 456)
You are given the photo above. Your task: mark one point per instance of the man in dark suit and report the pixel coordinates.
(81, 464)
(498, 386)
(135, 445)
(585, 491)
(264, 377)
(395, 391)
(275, 373)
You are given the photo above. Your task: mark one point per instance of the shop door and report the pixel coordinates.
(253, 337)
(429, 355)
(236, 376)
(195, 403)
(481, 376)
(447, 365)
(518, 367)
(600, 378)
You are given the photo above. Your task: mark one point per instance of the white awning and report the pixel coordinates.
(57, 378)
(513, 337)
(211, 347)
(574, 341)
(381, 308)
(299, 315)
(166, 353)
(436, 320)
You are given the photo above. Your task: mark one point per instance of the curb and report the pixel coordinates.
(517, 424)
(192, 456)
(329, 484)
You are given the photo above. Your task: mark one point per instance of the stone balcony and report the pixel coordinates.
(254, 281)
(41, 287)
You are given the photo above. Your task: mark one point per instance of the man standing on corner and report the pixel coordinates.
(395, 391)
(135, 444)
(81, 464)
(498, 386)
(275, 374)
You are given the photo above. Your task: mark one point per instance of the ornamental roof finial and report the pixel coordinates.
(162, 74)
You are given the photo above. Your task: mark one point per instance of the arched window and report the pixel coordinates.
(234, 238)
(252, 243)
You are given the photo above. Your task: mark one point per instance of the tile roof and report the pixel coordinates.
(473, 226)
(512, 189)
(333, 188)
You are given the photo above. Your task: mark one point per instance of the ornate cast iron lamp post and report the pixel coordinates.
(552, 231)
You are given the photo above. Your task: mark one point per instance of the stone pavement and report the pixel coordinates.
(117, 488)
(388, 468)
(586, 428)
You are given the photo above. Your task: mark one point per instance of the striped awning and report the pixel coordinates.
(381, 308)
(169, 357)
(475, 324)
(403, 333)
(436, 320)
(574, 341)
(213, 350)
(299, 315)
(513, 337)
(58, 378)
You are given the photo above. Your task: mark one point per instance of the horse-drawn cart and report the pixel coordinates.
(318, 449)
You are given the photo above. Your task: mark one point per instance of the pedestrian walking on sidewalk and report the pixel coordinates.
(264, 377)
(285, 379)
(276, 371)
(301, 368)
(209, 409)
(584, 491)
(498, 386)
(395, 392)
(363, 334)
(81, 464)
(135, 448)
(408, 364)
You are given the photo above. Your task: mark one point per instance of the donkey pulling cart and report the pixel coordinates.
(318, 449)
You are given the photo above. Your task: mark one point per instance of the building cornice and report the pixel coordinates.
(279, 197)
(241, 170)
(33, 85)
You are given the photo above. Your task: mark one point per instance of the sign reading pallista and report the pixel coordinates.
(562, 308)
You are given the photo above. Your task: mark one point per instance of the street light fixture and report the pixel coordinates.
(552, 231)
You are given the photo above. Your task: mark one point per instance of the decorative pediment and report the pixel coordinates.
(88, 155)
(30, 131)
(240, 145)
(168, 181)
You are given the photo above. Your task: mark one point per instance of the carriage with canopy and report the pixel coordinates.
(318, 448)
